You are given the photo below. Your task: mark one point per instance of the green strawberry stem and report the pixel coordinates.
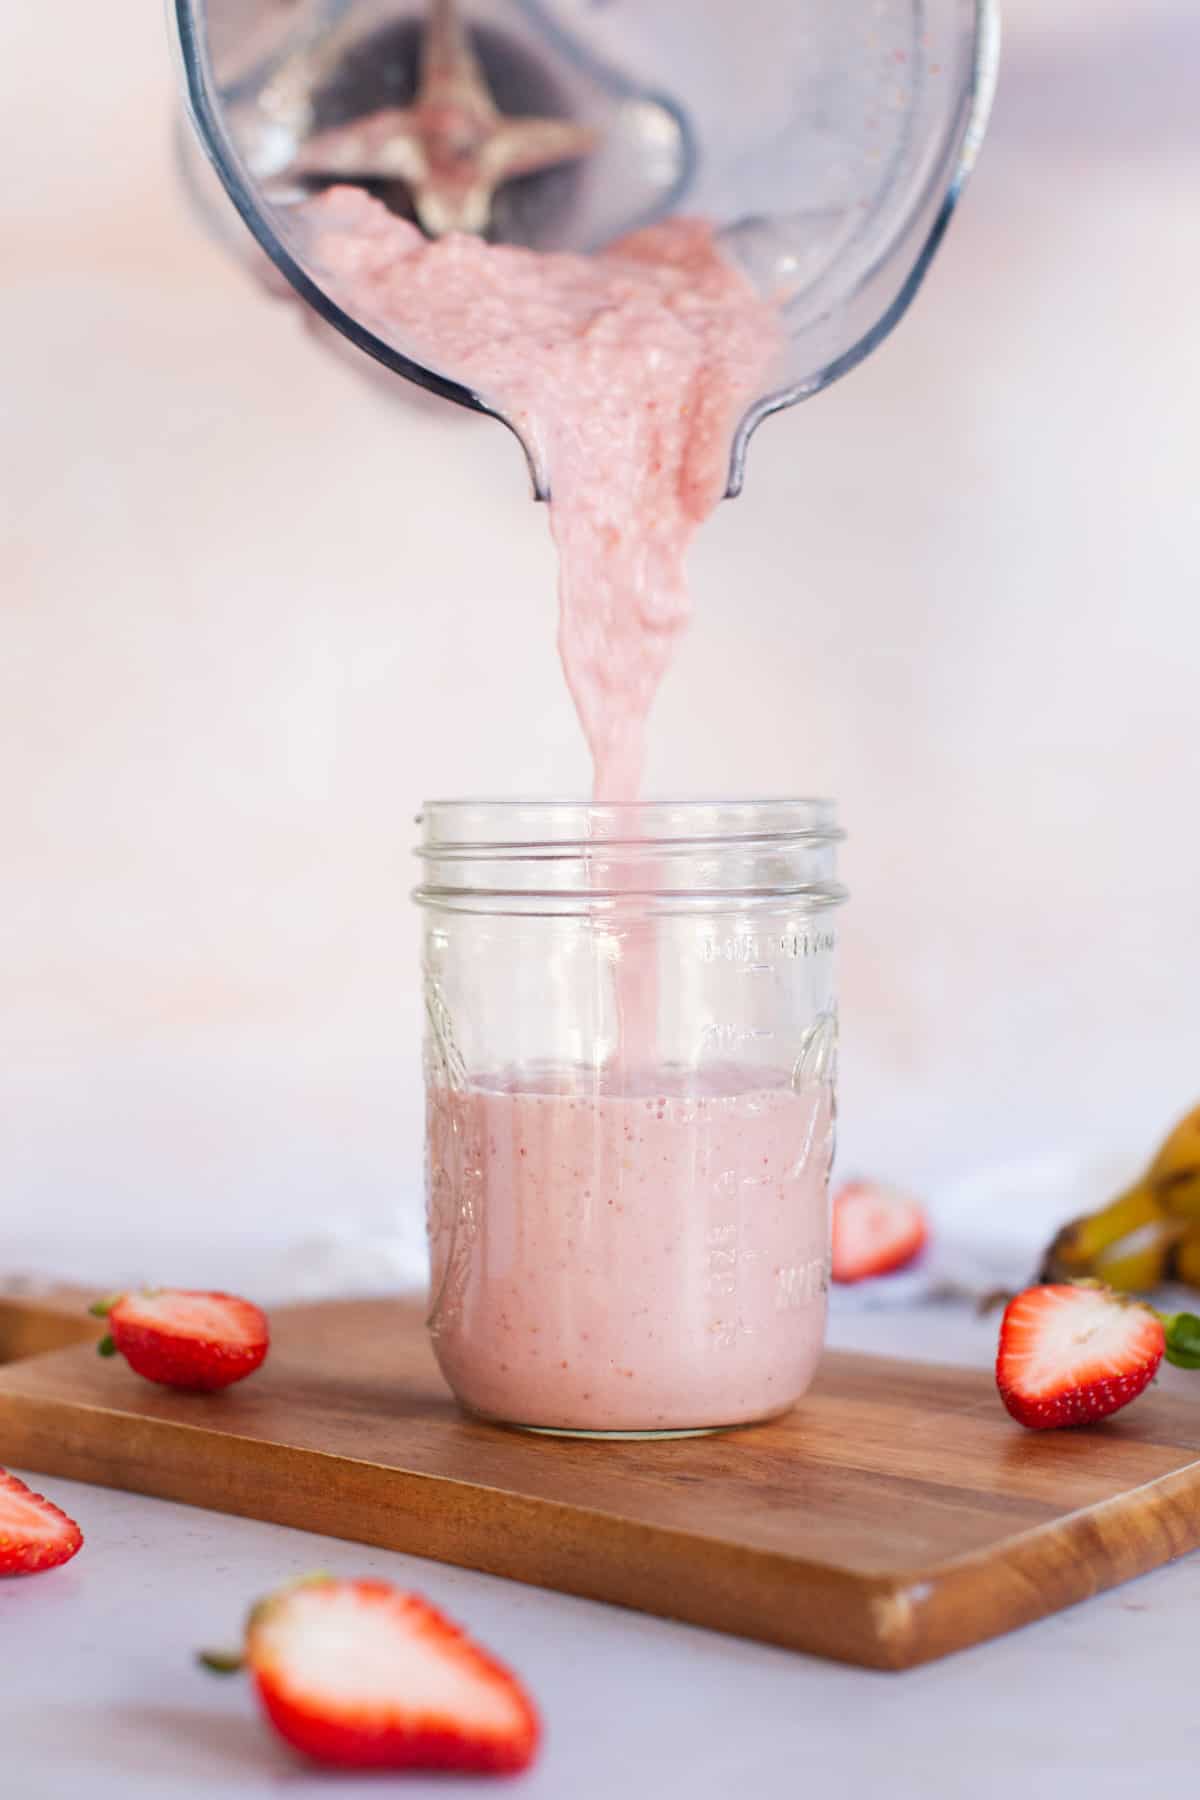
(1183, 1339)
(221, 1662)
(106, 1347)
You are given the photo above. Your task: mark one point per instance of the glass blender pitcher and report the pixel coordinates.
(827, 140)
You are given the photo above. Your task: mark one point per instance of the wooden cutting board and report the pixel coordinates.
(896, 1515)
(45, 1319)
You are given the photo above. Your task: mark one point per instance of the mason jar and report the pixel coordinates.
(629, 1063)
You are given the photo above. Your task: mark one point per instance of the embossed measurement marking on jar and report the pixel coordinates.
(728, 1037)
(722, 1260)
(800, 1285)
(754, 950)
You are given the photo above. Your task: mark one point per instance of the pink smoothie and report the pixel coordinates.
(627, 372)
(648, 1259)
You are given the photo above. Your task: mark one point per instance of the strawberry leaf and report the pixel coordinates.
(1183, 1340)
(221, 1662)
(106, 1347)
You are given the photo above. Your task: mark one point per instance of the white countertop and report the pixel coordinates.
(100, 1695)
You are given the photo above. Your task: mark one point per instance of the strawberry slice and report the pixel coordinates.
(876, 1229)
(185, 1339)
(1071, 1354)
(358, 1675)
(34, 1533)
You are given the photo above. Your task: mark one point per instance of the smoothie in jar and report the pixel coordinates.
(642, 1259)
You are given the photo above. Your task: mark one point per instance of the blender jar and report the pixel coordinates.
(629, 1062)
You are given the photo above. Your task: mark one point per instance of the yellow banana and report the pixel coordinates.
(1179, 1153)
(1140, 1262)
(1175, 1172)
(1079, 1246)
(1149, 1232)
(1185, 1264)
(1181, 1199)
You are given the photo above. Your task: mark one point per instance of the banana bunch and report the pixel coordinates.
(1149, 1234)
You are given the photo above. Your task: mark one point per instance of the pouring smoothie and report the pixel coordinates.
(629, 371)
(616, 1245)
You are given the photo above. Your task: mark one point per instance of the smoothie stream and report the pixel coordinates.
(629, 372)
(626, 1247)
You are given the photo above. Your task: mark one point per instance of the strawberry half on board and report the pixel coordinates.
(34, 1533)
(876, 1230)
(359, 1675)
(185, 1339)
(1070, 1354)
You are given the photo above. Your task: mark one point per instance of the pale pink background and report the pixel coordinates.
(255, 609)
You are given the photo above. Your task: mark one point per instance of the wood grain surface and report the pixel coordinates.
(896, 1515)
(33, 1319)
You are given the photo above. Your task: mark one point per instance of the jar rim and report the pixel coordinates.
(570, 856)
(528, 827)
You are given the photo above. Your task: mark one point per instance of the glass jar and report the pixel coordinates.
(629, 1063)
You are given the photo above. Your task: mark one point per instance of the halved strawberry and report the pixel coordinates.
(360, 1675)
(875, 1229)
(34, 1533)
(1071, 1354)
(185, 1339)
